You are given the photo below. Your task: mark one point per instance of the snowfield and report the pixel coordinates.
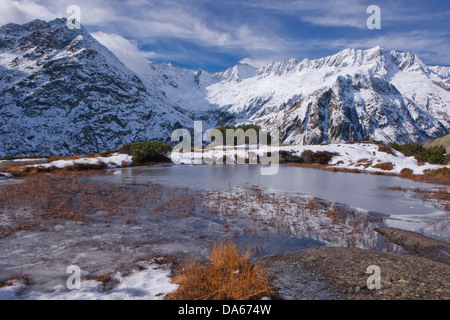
(350, 154)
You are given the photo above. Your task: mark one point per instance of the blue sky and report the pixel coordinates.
(214, 35)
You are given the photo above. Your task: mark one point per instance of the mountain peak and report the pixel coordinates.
(37, 24)
(376, 57)
(239, 72)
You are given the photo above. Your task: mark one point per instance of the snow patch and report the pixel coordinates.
(4, 175)
(113, 161)
(153, 283)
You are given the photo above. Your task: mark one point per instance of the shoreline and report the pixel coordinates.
(417, 178)
(356, 157)
(425, 178)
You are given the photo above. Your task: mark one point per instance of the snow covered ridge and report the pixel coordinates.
(153, 283)
(113, 161)
(361, 156)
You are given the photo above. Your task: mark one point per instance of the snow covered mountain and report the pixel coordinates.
(62, 92)
(353, 95)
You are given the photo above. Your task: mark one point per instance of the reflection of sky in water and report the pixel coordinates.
(363, 191)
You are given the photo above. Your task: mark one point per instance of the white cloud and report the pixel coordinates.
(175, 23)
(99, 12)
(338, 13)
(126, 50)
(13, 11)
(155, 21)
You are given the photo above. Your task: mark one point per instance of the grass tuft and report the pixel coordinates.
(228, 274)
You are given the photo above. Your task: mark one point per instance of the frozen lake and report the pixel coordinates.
(364, 191)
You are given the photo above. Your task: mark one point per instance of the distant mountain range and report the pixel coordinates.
(62, 92)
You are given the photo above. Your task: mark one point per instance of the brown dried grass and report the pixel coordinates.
(228, 275)
(44, 198)
(438, 176)
(396, 188)
(24, 169)
(387, 166)
(441, 196)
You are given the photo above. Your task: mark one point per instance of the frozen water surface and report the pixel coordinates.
(364, 191)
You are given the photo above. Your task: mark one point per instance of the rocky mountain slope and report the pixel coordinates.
(442, 141)
(62, 92)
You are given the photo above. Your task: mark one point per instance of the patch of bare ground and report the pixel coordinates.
(333, 168)
(108, 282)
(366, 163)
(336, 169)
(330, 168)
(308, 165)
(343, 270)
(25, 168)
(384, 148)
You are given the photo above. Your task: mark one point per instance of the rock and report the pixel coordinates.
(418, 244)
(343, 271)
